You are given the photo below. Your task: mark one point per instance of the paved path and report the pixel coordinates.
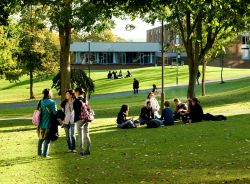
(126, 93)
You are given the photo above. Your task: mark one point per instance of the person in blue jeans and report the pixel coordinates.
(122, 121)
(69, 124)
(167, 115)
(47, 106)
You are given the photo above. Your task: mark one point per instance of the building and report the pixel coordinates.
(114, 53)
(237, 53)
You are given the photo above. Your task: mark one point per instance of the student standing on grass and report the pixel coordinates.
(82, 125)
(122, 121)
(47, 107)
(154, 104)
(167, 115)
(69, 120)
(135, 86)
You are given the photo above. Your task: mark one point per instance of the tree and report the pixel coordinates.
(37, 51)
(199, 23)
(78, 79)
(68, 15)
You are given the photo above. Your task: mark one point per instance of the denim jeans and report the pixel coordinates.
(127, 124)
(45, 151)
(83, 135)
(70, 131)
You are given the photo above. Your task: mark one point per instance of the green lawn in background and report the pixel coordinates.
(206, 152)
(19, 92)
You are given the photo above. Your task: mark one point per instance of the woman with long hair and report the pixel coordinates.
(48, 108)
(122, 121)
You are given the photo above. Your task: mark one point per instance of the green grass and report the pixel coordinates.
(207, 152)
(11, 92)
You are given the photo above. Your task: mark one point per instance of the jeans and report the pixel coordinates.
(83, 135)
(70, 131)
(46, 144)
(127, 124)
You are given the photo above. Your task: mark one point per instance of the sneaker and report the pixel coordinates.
(86, 153)
(69, 151)
(74, 151)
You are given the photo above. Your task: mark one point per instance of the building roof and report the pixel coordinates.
(115, 47)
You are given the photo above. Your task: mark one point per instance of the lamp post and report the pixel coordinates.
(162, 67)
(89, 56)
(177, 65)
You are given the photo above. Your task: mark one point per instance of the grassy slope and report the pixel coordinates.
(208, 152)
(11, 92)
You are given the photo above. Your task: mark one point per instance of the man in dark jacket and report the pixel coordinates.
(135, 86)
(179, 108)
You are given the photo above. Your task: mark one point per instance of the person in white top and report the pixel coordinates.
(69, 124)
(154, 104)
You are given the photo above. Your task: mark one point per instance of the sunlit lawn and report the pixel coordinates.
(207, 152)
(11, 92)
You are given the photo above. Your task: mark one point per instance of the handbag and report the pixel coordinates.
(36, 117)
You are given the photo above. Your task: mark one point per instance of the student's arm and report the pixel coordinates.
(53, 107)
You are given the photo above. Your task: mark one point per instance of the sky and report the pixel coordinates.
(137, 34)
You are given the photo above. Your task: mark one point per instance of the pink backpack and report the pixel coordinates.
(87, 114)
(36, 117)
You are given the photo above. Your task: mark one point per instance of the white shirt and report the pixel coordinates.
(69, 113)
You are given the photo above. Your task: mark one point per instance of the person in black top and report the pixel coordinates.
(122, 121)
(147, 117)
(196, 112)
(198, 76)
(109, 75)
(179, 109)
(135, 86)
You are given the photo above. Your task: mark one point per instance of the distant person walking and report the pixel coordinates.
(198, 76)
(47, 107)
(135, 86)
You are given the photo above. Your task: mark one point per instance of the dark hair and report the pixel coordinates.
(124, 108)
(195, 100)
(46, 93)
(80, 90)
(71, 92)
(176, 100)
(167, 103)
(148, 102)
(151, 93)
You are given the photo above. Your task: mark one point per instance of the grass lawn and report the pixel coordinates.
(11, 92)
(207, 152)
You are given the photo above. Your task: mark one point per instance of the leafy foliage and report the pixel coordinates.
(78, 79)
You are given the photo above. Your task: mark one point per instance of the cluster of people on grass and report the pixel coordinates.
(189, 112)
(113, 75)
(70, 117)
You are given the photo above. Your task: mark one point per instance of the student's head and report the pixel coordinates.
(124, 108)
(148, 104)
(177, 101)
(47, 93)
(150, 95)
(79, 91)
(70, 94)
(166, 103)
(195, 101)
(154, 86)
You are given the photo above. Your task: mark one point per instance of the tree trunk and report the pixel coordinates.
(64, 35)
(31, 85)
(192, 80)
(203, 84)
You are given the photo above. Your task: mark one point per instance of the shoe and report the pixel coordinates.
(86, 153)
(80, 154)
(74, 151)
(69, 151)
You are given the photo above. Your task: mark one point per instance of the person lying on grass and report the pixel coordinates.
(122, 121)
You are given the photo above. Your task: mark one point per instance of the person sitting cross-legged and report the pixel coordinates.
(147, 117)
(167, 115)
(122, 121)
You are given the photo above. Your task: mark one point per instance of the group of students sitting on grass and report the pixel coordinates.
(189, 112)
